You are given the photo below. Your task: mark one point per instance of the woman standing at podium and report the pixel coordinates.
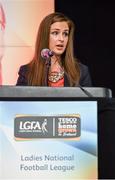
(54, 63)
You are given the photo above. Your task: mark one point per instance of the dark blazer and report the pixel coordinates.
(85, 79)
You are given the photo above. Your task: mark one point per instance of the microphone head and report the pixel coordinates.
(46, 53)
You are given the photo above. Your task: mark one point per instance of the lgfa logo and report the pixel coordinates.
(29, 125)
(33, 126)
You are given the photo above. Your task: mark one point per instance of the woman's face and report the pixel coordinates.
(58, 38)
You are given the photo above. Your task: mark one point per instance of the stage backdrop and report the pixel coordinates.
(22, 18)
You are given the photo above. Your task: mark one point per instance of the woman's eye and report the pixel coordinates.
(54, 32)
(66, 33)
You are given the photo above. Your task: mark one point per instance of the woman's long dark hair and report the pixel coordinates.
(36, 68)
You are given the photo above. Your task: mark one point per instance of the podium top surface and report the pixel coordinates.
(45, 92)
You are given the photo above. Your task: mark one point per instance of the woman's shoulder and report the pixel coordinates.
(85, 78)
(23, 69)
(22, 80)
(83, 67)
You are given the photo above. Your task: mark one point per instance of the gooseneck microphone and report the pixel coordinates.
(46, 54)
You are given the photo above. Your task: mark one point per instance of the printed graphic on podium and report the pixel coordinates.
(48, 139)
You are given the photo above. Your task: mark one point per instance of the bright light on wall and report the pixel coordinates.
(22, 22)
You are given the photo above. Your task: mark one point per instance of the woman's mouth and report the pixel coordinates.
(59, 47)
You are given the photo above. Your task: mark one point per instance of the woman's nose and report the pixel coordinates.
(61, 37)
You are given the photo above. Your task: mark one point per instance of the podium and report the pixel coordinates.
(49, 92)
(72, 139)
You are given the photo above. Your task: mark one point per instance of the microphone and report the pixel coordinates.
(46, 53)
